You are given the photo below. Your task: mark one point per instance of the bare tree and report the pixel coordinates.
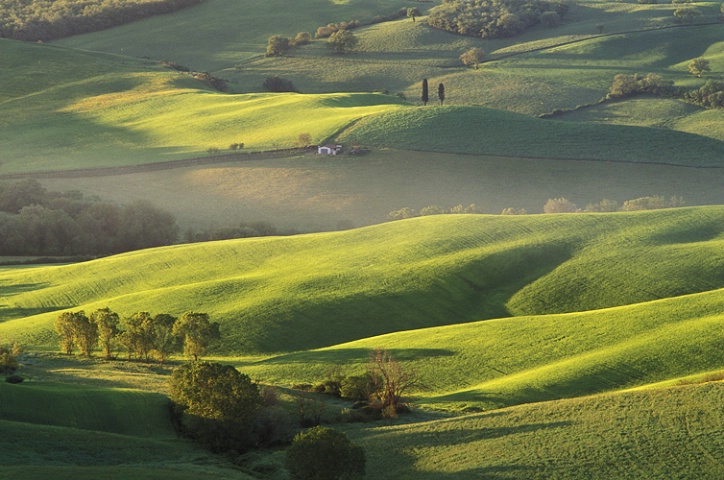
(390, 381)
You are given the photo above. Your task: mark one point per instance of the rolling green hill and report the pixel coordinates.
(91, 110)
(663, 434)
(286, 294)
(73, 432)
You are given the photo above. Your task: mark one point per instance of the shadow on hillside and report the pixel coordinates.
(456, 439)
(478, 288)
(7, 314)
(11, 290)
(354, 355)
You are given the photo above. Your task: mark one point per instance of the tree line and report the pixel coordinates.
(553, 205)
(709, 95)
(142, 335)
(52, 19)
(38, 222)
(494, 18)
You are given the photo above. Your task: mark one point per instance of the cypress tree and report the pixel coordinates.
(424, 97)
(441, 93)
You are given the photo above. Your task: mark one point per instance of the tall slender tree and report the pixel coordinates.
(107, 322)
(424, 96)
(441, 93)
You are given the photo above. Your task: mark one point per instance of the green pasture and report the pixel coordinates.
(661, 434)
(296, 293)
(476, 130)
(96, 116)
(497, 363)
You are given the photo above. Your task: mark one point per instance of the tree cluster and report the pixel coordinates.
(494, 18)
(342, 41)
(563, 205)
(378, 392)
(241, 230)
(34, 221)
(627, 85)
(142, 335)
(710, 95)
(53, 19)
(407, 212)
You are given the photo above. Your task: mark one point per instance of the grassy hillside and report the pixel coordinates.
(495, 132)
(104, 410)
(281, 294)
(92, 110)
(671, 433)
(69, 432)
(497, 363)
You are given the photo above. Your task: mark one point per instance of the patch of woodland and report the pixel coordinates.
(43, 20)
(495, 18)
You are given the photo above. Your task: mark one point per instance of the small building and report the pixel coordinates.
(329, 149)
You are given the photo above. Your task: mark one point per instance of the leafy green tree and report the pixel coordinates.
(138, 336)
(165, 341)
(699, 66)
(322, 453)
(473, 57)
(8, 360)
(413, 12)
(342, 41)
(425, 96)
(277, 46)
(107, 323)
(85, 333)
(197, 332)
(218, 404)
(64, 328)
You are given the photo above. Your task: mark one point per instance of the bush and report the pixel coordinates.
(302, 38)
(277, 84)
(217, 405)
(277, 46)
(324, 454)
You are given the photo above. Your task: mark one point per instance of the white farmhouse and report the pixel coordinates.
(329, 149)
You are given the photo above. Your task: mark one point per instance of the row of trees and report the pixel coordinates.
(553, 205)
(494, 18)
(710, 95)
(53, 19)
(340, 40)
(425, 96)
(35, 221)
(142, 335)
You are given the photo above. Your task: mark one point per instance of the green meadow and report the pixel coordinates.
(570, 346)
(544, 323)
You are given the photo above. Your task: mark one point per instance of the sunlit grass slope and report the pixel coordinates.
(518, 360)
(478, 130)
(663, 434)
(91, 110)
(285, 294)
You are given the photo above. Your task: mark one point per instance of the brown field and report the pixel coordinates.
(310, 193)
